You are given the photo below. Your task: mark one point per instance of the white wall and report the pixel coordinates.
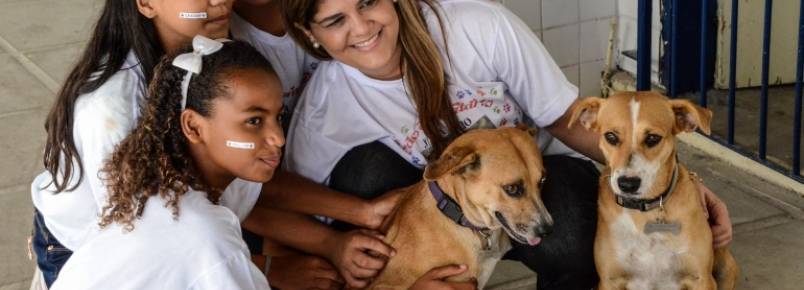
(575, 33)
(784, 40)
(627, 36)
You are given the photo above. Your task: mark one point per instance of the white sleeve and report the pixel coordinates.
(311, 154)
(534, 80)
(236, 272)
(102, 120)
(241, 196)
(327, 122)
(310, 150)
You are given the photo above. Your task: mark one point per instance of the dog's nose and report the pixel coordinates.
(628, 184)
(543, 229)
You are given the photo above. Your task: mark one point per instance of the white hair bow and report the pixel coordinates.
(192, 61)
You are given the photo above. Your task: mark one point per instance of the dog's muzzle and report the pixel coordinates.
(541, 230)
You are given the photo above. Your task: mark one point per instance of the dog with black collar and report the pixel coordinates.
(652, 230)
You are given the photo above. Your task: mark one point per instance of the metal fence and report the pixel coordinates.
(644, 73)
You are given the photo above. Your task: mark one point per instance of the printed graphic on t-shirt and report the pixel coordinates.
(482, 107)
(414, 135)
(291, 97)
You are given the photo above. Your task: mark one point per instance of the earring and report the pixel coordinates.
(316, 45)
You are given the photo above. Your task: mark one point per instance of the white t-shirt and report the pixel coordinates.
(102, 119)
(291, 63)
(499, 74)
(201, 249)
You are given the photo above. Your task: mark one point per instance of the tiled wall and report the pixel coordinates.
(627, 36)
(576, 34)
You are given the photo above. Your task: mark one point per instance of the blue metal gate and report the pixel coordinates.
(644, 62)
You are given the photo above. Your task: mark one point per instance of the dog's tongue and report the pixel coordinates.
(534, 241)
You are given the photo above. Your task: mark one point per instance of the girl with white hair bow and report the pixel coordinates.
(211, 117)
(97, 107)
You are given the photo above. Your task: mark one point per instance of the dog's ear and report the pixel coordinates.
(456, 160)
(690, 116)
(530, 130)
(585, 113)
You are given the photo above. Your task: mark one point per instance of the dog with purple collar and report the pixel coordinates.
(484, 189)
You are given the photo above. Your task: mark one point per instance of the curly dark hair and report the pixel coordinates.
(155, 158)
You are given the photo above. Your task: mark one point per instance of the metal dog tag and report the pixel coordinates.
(662, 227)
(486, 239)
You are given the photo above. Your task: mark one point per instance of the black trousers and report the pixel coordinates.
(564, 260)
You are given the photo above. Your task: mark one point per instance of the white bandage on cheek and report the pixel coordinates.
(193, 15)
(240, 145)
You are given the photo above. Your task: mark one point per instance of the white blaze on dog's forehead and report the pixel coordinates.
(193, 15)
(240, 145)
(634, 115)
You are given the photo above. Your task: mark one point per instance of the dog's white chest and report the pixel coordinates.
(487, 259)
(651, 261)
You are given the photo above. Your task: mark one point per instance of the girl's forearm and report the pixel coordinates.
(289, 191)
(292, 229)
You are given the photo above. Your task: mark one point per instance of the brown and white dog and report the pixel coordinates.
(491, 185)
(652, 230)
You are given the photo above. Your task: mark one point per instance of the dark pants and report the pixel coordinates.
(253, 241)
(564, 260)
(51, 255)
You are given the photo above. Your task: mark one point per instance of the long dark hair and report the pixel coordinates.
(155, 158)
(120, 30)
(422, 67)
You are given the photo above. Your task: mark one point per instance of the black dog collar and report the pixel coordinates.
(449, 207)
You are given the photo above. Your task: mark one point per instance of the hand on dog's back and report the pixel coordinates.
(436, 279)
(352, 258)
(380, 209)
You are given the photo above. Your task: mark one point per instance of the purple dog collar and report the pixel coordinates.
(449, 207)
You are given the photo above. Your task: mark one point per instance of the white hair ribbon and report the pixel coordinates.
(192, 61)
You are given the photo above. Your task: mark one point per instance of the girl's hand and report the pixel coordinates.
(378, 209)
(303, 272)
(359, 256)
(718, 217)
(436, 278)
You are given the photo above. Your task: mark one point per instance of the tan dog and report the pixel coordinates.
(652, 230)
(495, 177)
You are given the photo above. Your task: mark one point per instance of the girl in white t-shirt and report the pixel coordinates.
(211, 115)
(162, 227)
(98, 105)
(408, 76)
(259, 22)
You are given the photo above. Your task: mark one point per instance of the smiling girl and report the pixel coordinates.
(98, 106)
(163, 227)
(408, 76)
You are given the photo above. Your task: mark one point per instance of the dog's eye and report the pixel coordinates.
(611, 138)
(514, 189)
(542, 181)
(652, 140)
